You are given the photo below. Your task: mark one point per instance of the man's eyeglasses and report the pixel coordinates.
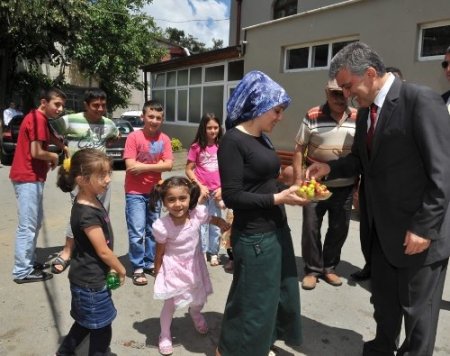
(444, 64)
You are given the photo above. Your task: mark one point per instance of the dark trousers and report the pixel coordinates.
(99, 340)
(320, 259)
(411, 293)
(264, 301)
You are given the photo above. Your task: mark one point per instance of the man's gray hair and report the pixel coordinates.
(356, 57)
(448, 50)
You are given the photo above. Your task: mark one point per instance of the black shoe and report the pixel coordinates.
(362, 275)
(40, 266)
(150, 271)
(35, 276)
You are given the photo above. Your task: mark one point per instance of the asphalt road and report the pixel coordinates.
(34, 317)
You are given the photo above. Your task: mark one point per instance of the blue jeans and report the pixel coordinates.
(30, 213)
(209, 233)
(139, 222)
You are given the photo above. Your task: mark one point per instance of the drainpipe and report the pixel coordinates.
(238, 21)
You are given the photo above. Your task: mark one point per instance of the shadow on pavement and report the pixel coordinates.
(321, 339)
(183, 333)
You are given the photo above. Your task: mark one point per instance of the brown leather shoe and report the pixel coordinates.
(309, 282)
(333, 279)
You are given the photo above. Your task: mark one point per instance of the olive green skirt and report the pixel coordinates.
(263, 304)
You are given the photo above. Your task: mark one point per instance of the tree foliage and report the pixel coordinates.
(188, 41)
(114, 43)
(108, 40)
(32, 31)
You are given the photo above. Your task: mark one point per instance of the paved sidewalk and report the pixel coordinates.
(34, 317)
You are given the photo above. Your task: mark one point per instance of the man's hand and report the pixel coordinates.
(415, 244)
(317, 170)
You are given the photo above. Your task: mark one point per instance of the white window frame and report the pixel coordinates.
(310, 52)
(420, 37)
(224, 83)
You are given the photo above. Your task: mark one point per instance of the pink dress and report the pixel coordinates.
(183, 275)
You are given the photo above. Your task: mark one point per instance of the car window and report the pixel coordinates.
(124, 129)
(134, 120)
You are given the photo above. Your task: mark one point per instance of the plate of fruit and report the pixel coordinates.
(313, 190)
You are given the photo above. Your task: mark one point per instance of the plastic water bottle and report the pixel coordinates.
(112, 280)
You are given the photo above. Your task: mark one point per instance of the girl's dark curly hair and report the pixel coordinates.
(160, 190)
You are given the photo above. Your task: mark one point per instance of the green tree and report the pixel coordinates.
(188, 41)
(108, 40)
(114, 42)
(33, 31)
(217, 44)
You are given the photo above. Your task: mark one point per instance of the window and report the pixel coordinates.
(283, 8)
(213, 100)
(182, 78)
(195, 99)
(312, 56)
(182, 105)
(434, 40)
(214, 74)
(187, 94)
(196, 76)
(235, 70)
(158, 79)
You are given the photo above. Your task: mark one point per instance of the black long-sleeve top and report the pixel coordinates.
(249, 167)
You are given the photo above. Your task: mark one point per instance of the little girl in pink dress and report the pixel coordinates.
(181, 274)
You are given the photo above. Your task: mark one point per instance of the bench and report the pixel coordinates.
(285, 158)
(286, 175)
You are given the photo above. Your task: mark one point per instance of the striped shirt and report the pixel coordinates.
(325, 139)
(79, 133)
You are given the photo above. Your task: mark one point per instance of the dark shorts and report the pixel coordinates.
(93, 309)
(264, 301)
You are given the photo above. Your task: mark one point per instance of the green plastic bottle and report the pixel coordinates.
(112, 280)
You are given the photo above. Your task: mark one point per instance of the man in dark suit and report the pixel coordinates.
(446, 67)
(401, 150)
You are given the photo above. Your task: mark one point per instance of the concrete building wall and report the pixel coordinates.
(252, 12)
(391, 27)
(258, 11)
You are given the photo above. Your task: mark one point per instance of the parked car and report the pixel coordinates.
(9, 141)
(115, 148)
(134, 118)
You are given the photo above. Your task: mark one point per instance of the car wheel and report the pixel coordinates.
(7, 159)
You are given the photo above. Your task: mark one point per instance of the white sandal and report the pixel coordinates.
(214, 261)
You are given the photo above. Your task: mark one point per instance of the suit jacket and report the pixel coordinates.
(407, 176)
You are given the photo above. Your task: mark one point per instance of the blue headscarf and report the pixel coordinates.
(255, 94)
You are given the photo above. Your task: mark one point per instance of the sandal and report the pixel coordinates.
(214, 261)
(59, 261)
(139, 279)
(165, 346)
(199, 322)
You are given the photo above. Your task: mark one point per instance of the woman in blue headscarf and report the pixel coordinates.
(264, 302)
